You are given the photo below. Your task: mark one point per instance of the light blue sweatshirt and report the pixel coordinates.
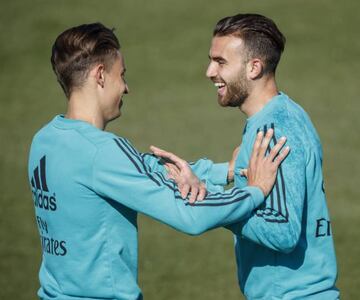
(88, 186)
(285, 249)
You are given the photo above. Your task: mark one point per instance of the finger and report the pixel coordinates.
(265, 142)
(184, 190)
(256, 147)
(276, 149)
(163, 153)
(244, 172)
(155, 149)
(193, 194)
(180, 163)
(282, 156)
(202, 192)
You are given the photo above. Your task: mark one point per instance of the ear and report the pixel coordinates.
(98, 72)
(255, 68)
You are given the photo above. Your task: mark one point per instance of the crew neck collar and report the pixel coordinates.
(61, 121)
(268, 107)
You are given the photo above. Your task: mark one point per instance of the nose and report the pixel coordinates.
(211, 70)
(127, 91)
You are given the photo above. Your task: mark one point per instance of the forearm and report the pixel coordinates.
(213, 174)
(121, 175)
(165, 204)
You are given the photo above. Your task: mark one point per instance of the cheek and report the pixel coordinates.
(234, 73)
(226, 75)
(120, 88)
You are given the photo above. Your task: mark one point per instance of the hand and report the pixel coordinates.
(230, 176)
(179, 170)
(262, 169)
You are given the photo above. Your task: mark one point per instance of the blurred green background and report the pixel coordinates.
(172, 105)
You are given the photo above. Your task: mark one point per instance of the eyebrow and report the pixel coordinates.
(217, 58)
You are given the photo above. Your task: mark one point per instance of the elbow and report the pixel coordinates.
(193, 233)
(288, 247)
(193, 228)
(289, 241)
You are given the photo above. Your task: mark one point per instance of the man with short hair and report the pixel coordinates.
(89, 184)
(284, 250)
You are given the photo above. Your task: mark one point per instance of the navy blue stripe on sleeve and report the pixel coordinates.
(130, 154)
(271, 194)
(169, 185)
(134, 156)
(166, 181)
(222, 196)
(273, 211)
(137, 155)
(282, 181)
(130, 158)
(203, 203)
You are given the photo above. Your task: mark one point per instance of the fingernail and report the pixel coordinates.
(283, 138)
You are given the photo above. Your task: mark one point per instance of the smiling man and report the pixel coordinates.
(284, 250)
(88, 184)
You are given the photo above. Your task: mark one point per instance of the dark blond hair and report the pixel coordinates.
(77, 49)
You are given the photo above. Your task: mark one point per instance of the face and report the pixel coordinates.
(114, 88)
(227, 69)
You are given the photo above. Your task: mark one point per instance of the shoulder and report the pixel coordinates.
(287, 117)
(98, 138)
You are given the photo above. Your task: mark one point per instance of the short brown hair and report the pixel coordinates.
(77, 49)
(260, 34)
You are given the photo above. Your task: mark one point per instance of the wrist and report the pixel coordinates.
(219, 174)
(262, 189)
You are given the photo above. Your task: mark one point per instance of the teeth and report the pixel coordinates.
(219, 84)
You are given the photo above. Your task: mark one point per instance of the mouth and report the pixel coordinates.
(221, 86)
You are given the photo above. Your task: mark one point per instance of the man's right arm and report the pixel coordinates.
(121, 175)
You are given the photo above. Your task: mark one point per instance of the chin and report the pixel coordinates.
(222, 101)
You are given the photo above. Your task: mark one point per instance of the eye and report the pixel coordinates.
(221, 62)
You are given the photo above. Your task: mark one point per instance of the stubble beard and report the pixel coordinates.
(237, 92)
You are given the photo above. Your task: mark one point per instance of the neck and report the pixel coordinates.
(260, 95)
(84, 106)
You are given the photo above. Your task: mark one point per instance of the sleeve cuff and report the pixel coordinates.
(256, 194)
(218, 173)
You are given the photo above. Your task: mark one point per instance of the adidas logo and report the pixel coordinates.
(40, 190)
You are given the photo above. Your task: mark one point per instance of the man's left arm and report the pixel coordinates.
(277, 223)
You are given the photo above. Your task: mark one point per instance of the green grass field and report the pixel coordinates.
(174, 106)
